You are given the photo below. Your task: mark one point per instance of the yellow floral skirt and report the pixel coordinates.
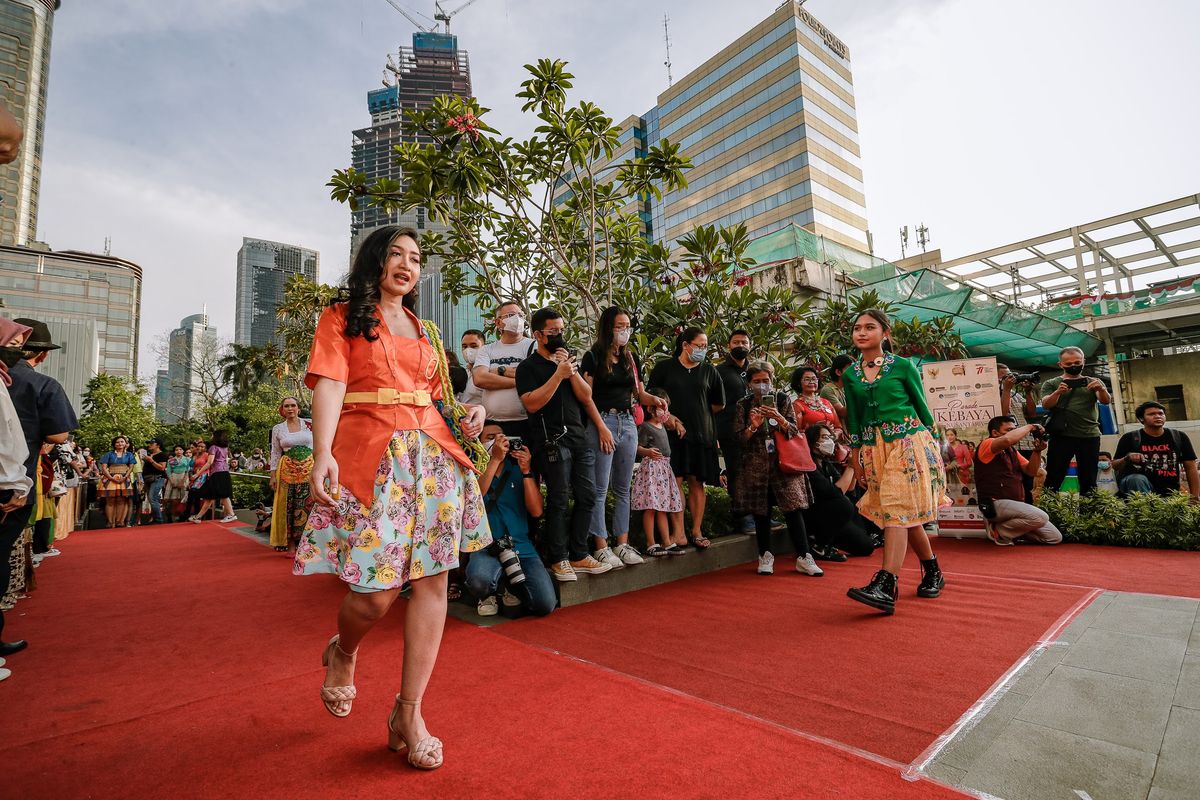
(906, 481)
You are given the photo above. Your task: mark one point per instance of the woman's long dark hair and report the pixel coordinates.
(604, 339)
(362, 284)
(220, 437)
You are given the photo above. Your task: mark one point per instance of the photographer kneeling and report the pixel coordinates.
(512, 496)
(999, 471)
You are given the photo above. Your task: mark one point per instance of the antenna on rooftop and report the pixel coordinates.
(667, 40)
(108, 245)
(903, 241)
(923, 237)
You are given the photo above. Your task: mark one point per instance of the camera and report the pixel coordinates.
(1026, 377)
(515, 443)
(510, 562)
(1039, 433)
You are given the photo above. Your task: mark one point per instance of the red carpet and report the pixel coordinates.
(794, 650)
(183, 662)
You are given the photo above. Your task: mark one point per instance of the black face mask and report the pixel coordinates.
(9, 356)
(555, 342)
(739, 353)
(1074, 369)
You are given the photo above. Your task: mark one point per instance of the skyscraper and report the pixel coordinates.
(263, 270)
(433, 66)
(191, 363)
(25, 28)
(92, 304)
(769, 124)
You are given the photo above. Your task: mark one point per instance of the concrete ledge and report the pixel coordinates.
(725, 551)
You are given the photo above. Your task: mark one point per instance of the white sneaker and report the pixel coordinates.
(53, 551)
(607, 556)
(590, 566)
(487, 607)
(4, 673)
(628, 555)
(194, 519)
(766, 563)
(562, 571)
(230, 518)
(808, 566)
(509, 599)
(37, 559)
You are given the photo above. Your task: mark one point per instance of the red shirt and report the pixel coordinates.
(806, 415)
(365, 429)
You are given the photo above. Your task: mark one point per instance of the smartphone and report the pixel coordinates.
(1077, 383)
(767, 402)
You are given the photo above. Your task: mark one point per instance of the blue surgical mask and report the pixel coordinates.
(1103, 465)
(696, 355)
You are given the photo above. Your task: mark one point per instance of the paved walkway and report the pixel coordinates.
(1110, 711)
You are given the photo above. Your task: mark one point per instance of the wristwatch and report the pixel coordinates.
(501, 370)
(528, 475)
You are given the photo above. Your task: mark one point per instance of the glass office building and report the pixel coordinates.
(92, 304)
(263, 270)
(25, 28)
(178, 392)
(769, 125)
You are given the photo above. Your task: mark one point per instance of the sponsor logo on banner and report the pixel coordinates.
(962, 410)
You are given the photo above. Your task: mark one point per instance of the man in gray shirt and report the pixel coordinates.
(495, 370)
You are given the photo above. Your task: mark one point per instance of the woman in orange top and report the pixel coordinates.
(397, 498)
(809, 406)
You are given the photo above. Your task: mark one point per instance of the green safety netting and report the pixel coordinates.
(988, 326)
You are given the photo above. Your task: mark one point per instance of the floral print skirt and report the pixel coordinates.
(426, 509)
(655, 488)
(906, 481)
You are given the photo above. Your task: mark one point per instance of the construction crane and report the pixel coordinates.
(440, 14)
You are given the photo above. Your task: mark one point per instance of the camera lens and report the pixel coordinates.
(511, 565)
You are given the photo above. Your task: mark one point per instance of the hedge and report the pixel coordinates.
(249, 492)
(1141, 520)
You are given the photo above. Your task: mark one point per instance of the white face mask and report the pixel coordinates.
(469, 354)
(826, 447)
(622, 338)
(514, 324)
(761, 387)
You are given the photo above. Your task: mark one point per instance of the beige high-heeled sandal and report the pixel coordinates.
(422, 750)
(333, 696)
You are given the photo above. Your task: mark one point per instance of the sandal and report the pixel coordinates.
(334, 696)
(675, 550)
(422, 751)
(281, 548)
(453, 592)
(700, 542)
(656, 551)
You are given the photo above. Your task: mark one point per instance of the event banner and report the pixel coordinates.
(963, 395)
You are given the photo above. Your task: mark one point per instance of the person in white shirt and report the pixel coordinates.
(1106, 476)
(495, 370)
(470, 343)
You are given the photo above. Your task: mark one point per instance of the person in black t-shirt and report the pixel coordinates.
(733, 378)
(154, 473)
(557, 400)
(1150, 458)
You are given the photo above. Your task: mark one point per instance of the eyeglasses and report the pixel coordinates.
(620, 328)
(558, 332)
(513, 314)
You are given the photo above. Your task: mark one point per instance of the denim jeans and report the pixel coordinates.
(156, 490)
(536, 593)
(613, 470)
(573, 474)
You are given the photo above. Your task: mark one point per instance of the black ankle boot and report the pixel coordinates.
(879, 593)
(931, 579)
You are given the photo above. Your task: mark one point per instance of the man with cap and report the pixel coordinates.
(154, 473)
(46, 417)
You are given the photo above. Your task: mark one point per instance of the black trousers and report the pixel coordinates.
(795, 529)
(1086, 452)
(834, 521)
(10, 530)
(42, 536)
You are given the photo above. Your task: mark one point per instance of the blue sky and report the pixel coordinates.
(176, 127)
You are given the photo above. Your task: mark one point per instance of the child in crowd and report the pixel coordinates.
(655, 492)
(1106, 476)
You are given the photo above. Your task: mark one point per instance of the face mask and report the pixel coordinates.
(761, 387)
(555, 342)
(622, 338)
(739, 353)
(662, 415)
(1103, 465)
(10, 355)
(826, 447)
(469, 354)
(696, 355)
(515, 324)
(488, 444)
(1074, 369)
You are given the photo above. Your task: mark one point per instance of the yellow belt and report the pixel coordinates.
(390, 397)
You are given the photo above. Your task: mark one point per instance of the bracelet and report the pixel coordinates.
(528, 475)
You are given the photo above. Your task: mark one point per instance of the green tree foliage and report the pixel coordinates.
(303, 302)
(115, 406)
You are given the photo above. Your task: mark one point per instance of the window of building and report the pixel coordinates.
(1172, 399)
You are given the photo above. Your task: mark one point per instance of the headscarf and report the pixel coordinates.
(9, 330)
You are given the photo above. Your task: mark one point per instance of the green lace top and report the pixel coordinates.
(892, 405)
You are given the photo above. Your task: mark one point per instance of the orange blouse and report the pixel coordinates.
(365, 429)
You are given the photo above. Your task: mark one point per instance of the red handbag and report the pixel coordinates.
(794, 455)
